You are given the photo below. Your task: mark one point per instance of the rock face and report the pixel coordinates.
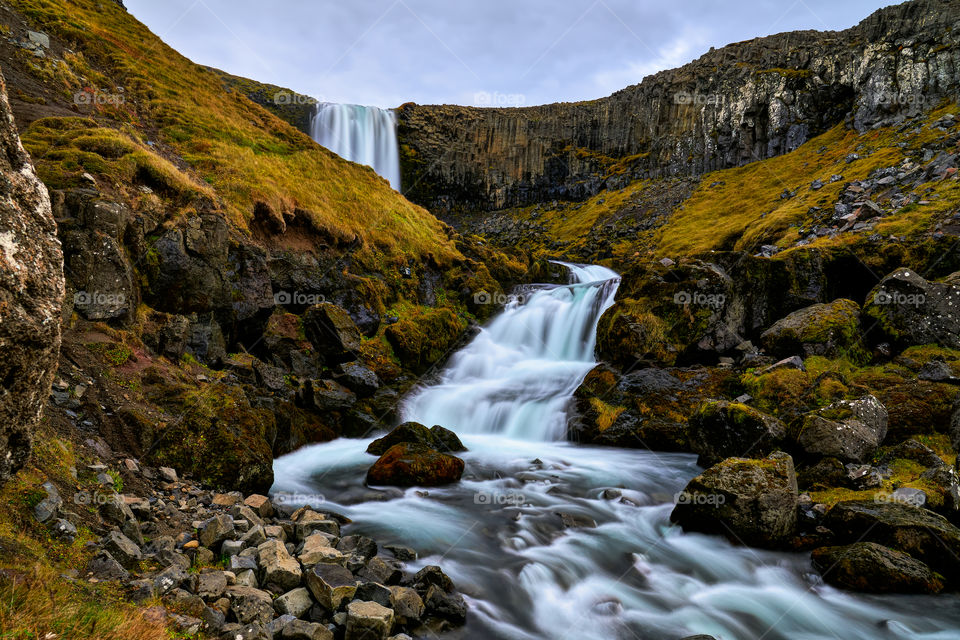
(867, 566)
(829, 330)
(752, 502)
(847, 430)
(723, 429)
(910, 310)
(31, 294)
(744, 102)
(922, 534)
(411, 464)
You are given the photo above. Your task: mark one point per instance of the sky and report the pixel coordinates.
(479, 52)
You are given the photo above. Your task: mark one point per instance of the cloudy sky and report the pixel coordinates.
(501, 52)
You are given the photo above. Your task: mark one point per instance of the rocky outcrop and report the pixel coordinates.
(722, 429)
(738, 104)
(31, 294)
(868, 566)
(907, 310)
(829, 330)
(751, 502)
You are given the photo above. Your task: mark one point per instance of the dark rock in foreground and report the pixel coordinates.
(31, 293)
(752, 502)
(874, 568)
(724, 429)
(411, 464)
(438, 438)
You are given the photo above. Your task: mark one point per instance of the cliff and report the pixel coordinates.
(744, 102)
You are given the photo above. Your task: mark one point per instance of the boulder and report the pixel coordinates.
(99, 274)
(447, 605)
(303, 630)
(317, 549)
(438, 438)
(721, 429)
(295, 602)
(104, 566)
(210, 585)
(330, 584)
(925, 535)
(250, 605)
(409, 464)
(332, 332)
(326, 395)
(909, 310)
(368, 621)
(278, 567)
(407, 604)
(216, 530)
(31, 295)
(122, 548)
(259, 504)
(752, 502)
(358, 378)
(850, 431)
(831, 330)
(874, 568)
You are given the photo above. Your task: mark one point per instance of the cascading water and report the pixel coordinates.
(633, 576)
(367, 135)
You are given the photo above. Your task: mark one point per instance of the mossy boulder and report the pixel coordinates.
(409, 464)
(909, 310)
(438, 438)
(922, 534)
(215, 436)
(831, 330)
(849, 430)
(722, 429)
(752, 502)
(332, 332)
(874, 568)
(423, 339)
(629, 332)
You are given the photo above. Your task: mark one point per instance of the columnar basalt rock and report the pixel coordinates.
(31, 294)
(744, 102)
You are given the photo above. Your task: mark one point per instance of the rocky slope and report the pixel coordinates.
(742, 103)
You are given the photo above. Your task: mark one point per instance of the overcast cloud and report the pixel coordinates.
(505, 52)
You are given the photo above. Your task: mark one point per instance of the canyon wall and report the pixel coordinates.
(744, 102)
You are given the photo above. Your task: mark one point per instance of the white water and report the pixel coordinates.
(367, 135)
(634, 576)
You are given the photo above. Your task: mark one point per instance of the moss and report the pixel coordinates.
(629, 331)
(606, 414)
(424, 337)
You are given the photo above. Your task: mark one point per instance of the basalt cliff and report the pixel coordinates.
(738, 104)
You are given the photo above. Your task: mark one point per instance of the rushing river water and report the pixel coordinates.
(500, 532)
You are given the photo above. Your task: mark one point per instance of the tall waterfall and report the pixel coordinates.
(367, 135)
(518, 374)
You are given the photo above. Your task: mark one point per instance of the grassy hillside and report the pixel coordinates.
(773, 202)
(156, 119)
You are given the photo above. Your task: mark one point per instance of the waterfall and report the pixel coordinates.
(518, 375)
(366, 135)
(501, 533)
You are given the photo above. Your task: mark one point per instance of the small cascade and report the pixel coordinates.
(366, 135)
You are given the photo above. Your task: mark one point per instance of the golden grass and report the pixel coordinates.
(230, 145)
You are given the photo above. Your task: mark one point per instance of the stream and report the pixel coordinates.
(516, 533)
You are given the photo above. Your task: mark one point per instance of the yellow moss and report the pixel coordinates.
(606, 414)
